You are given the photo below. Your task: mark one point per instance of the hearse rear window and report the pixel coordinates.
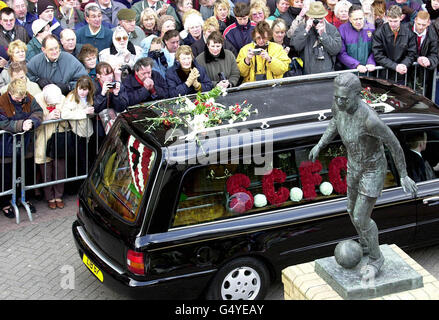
(224, 191)
(121, 177)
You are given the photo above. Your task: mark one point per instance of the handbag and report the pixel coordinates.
(59, 141)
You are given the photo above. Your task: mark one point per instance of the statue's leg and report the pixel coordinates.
(352, 199)
(368, 228)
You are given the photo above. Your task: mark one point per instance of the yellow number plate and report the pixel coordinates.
(93, 268)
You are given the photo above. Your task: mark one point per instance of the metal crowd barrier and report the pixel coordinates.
(18, 140)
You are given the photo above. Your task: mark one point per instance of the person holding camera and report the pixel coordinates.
(317, 41)
(262, 59)
(109, 94)
(220, 63)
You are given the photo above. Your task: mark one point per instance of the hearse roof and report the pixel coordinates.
(285, 101)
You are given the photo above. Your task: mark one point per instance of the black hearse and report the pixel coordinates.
(218, 214)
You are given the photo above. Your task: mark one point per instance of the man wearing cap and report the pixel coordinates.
(46, 11)
(127, 20)
(9, 30)
(40, 29)
(317, 41)
(23, 17)
(55, 66)
(94, 32)
(110, 10)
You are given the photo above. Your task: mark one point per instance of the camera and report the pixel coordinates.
(222, 76)
(315, 22)
(257, 51)
(112, 85)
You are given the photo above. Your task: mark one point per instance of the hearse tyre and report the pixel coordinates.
(241, 279)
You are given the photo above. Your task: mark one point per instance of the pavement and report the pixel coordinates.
(39, 260)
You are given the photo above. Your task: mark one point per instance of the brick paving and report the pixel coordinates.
(39, 260)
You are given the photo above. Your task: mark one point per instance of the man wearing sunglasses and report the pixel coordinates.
(317, 41)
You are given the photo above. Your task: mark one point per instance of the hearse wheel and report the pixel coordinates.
(241, 279)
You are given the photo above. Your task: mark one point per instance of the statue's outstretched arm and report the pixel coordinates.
(328, 135)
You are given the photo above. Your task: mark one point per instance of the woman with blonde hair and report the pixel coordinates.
(186, 76)
(78, 106)
(17, 51)
(222, 12)
(259, 11)
(149, 22)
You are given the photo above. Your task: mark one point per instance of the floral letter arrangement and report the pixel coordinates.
(140, 159)
(242, 200)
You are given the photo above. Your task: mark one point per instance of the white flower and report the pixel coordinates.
(190, 106)
(296, 194)
(383, 98)
(198, 123)
(256, 111)
(223, 92)
(231, 121)
(326, 188)
(260, 200)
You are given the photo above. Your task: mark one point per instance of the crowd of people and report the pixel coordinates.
(74, 59)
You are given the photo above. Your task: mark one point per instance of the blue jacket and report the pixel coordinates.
(356, 45)
(239, 35)
(137, 93)
(102, 40)
(176, 80)
(159, 64)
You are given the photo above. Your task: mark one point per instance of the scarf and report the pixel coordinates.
(211, 58)
(130, 47)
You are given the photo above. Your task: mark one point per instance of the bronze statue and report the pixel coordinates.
(363, 134)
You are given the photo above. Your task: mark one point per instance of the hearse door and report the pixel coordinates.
(427, 229)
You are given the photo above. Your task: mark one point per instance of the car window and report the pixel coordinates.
(224, 191)
(121, 176)
(421, 150)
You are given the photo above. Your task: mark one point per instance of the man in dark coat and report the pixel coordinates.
(9, 29)
(417, 167)
(427, 50)
(394, 45)
(145, 84)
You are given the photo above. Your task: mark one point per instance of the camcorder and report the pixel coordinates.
(316, 22)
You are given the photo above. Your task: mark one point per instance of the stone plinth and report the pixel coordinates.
(301, 282)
